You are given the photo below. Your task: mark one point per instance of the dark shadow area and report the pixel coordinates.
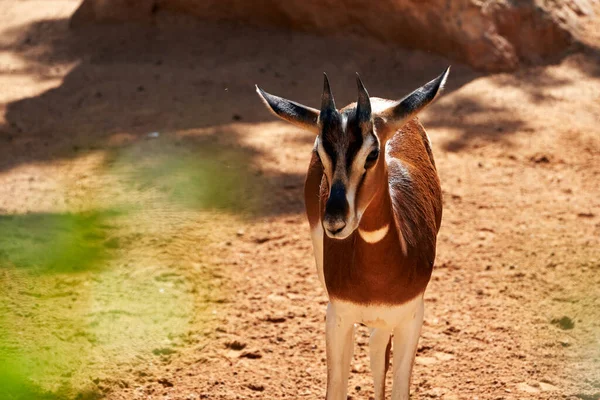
(56, 243)
(183, 75)
(211, 171)
(493, 119)
(590, 64)
(475, 121)
(534, 83)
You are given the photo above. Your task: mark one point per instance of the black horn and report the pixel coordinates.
(363, 105)
(327, 103)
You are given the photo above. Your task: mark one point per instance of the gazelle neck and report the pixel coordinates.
(378, 219)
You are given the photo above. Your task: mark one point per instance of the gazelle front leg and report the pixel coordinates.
(406, 338)
(379, 353)
(339, 330)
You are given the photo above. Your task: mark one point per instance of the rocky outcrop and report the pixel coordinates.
(113, 11)
(492, 35)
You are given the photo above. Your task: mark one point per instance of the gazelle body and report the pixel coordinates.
(374, 206)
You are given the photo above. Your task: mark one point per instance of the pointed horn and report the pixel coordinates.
(363, 105)
(327, 101)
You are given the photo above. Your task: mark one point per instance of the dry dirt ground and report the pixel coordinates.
(152, 237)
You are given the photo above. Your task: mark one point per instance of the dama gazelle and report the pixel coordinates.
(374, 205)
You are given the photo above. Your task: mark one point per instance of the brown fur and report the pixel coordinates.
(408, 197)
(312, 190)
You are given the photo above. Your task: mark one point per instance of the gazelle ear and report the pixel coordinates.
(290, 111)
(401, 111)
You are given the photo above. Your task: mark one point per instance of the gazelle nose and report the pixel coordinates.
(334, 225)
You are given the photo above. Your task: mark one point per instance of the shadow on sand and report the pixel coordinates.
(180, 75)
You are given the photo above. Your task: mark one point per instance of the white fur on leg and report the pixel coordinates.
(378, 346)
(317, 239)
(340, 346)
(406, 338)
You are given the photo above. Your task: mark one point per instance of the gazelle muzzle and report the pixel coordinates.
(336, 209)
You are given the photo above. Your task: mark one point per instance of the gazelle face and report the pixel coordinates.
(348, 146)
(349, 150)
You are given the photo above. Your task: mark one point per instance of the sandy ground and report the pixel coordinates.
(152, 237)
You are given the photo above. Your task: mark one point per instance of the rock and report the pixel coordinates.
(426, 360)
(164, 351)
(540, 158)
(357, 368)
(276, 319)
(255, 387)
(586, 215)
(251, 354)
(564, 323)
(527, 388)
(565, 343)
(275, 298)
(494, 35)
(443, 356)
(546, 387)
(165, 382)
(113, 11)
(235, 345)
(451, 330)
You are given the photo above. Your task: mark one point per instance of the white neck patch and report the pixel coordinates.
(374, 236)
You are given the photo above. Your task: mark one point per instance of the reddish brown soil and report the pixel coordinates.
(210, 215)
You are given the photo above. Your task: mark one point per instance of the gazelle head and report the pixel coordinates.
(350, 144)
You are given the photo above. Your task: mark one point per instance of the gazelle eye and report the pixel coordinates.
(372, 158)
